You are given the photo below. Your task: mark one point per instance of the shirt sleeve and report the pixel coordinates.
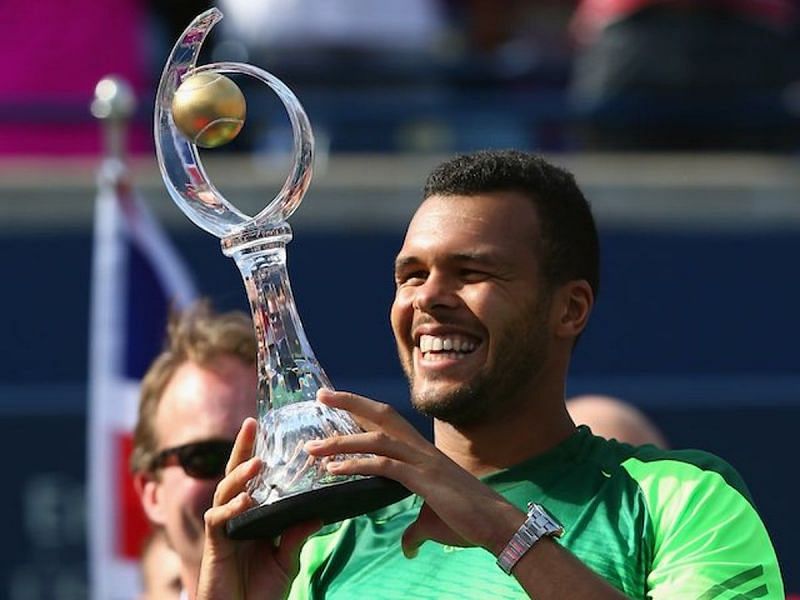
(709, 543)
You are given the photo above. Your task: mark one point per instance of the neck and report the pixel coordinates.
(538, 422)
(189, 578)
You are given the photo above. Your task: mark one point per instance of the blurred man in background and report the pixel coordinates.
(613, 419)
(193, 400)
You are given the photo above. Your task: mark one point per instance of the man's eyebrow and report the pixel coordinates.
(486, 258)
(404, 261)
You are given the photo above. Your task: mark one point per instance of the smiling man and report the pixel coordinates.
(495, 282)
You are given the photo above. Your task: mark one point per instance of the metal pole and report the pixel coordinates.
(114, 104)
(109, 576)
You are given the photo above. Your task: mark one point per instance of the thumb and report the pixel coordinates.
(413, 538)
(428, 526)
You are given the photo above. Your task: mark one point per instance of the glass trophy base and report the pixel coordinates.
(329, 504)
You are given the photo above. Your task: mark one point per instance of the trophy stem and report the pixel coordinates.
(288, 371)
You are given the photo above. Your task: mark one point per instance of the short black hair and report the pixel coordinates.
(570, 245)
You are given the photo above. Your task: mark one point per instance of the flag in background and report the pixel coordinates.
(137, 276)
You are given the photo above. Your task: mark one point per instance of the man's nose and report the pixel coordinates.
(438, 291)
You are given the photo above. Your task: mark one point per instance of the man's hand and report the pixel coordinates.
(254, 569)
(459, 509)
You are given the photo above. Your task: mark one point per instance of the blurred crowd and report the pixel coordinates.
(430, 75)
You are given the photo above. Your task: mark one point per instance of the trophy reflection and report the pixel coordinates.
(199, 106)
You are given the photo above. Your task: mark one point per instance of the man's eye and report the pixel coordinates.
(472, 275)
(411, 278)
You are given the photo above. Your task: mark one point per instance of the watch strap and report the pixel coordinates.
(538, 524)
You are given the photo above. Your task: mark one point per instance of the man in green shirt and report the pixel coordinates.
(496, 279)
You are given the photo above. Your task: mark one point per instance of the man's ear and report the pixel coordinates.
(149, 490)
(573, 302)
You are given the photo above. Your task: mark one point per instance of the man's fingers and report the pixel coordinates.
(372, 442)
(369, 413)
(376, 413)
(216, 516)
(235, 481)
(380, 466)
(243, 446)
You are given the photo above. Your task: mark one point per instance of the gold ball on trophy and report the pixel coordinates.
(209, 109)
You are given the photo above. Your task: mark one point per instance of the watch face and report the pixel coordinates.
(543, 522)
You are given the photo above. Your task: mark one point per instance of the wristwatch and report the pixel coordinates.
(537, 525)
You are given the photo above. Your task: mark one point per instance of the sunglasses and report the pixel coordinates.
(201, 460)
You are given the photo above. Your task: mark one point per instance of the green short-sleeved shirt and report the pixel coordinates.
(655, 524)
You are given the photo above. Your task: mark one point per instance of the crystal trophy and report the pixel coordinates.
(292, 487)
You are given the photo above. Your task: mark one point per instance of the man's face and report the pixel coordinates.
(198, 404)
(470, 314)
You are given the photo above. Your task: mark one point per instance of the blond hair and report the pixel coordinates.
(197, 335)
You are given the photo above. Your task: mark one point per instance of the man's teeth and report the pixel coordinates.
(450, 343)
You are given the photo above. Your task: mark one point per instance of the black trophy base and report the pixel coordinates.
(332, 503)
